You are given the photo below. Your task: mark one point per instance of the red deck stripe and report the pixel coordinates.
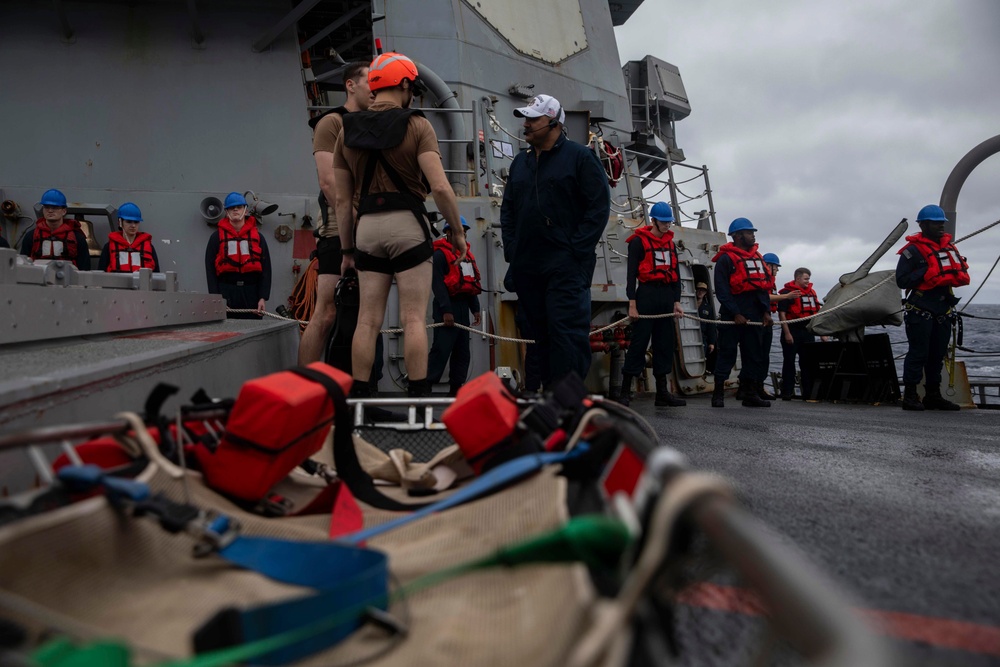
(940, 632)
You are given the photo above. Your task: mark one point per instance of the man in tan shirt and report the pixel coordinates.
(379, 161)
(326, 129)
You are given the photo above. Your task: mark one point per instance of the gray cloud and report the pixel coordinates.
(827, 123)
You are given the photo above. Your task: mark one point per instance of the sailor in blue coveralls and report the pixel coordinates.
(456, 286)
(742, 286)
(555, 208)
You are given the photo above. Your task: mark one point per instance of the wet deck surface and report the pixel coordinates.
(902, 507)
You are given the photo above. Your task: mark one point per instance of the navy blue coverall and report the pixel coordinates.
(555, 209)
(652, 298)
(753, 305)
(928, 323)
(449, 342)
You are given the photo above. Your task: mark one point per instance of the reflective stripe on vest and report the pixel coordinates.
(462, 278)
(659, 261)
(805, 305)
(749, 269)
(239, 252)
(945, 266)
(58, 244)
(124, 257)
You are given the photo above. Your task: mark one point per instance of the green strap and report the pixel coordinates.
(62, 652)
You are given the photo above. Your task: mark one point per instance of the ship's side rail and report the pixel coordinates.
(979, 387)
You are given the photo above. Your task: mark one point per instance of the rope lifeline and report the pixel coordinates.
(620, 322)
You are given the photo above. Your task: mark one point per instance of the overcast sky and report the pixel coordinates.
(826, 123)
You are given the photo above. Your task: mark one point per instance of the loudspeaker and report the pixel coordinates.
(257, 206)
(262, 208)
(211, 209)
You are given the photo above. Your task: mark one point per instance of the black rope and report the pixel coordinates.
(982, 283)
(965, 349)
(978, 317)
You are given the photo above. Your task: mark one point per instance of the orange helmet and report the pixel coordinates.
(389, 69)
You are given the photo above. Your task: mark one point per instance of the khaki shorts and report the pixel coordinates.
(393, 236)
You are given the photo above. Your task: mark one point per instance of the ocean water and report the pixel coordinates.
(980, 335)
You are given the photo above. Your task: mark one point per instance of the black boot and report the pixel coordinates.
(741, 391)
(453, 390)
(663, 395)
(752, 397)
(361, 389)
(418, 389)
(625, 395)
(933, 400)
(719, 395)
(910, 399)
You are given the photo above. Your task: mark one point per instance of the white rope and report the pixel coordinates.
(978, 231)
(620, 322)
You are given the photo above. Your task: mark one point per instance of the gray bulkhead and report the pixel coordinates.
(133, 107)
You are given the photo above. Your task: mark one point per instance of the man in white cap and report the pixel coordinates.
(555, 208)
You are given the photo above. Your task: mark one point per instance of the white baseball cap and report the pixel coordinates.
(542, 105)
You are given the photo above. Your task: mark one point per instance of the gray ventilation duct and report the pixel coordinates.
(454, 126)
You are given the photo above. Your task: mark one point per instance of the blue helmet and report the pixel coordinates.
(464, 224)
(661, 211)
(54, 198)
(771, 258)
(739, 224)
(234, 199)
(932, 213)
(129, 211)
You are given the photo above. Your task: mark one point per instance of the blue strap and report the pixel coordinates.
(503, 474)
(347, 577)
(324, 566)
(88, 477)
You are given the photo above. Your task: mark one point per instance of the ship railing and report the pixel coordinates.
(636, 185)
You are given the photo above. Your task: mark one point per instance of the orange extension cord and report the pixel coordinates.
(303, 299)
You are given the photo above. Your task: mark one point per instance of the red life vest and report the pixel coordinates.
(125, 257)
(659, 261)
(239, 252)
(945, 267)
(58, 244)
(462, 278)
(774, 304)
(805, 305)
(749, 270)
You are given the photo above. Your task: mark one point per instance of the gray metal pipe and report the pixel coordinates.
(454, 125)
(965, 166)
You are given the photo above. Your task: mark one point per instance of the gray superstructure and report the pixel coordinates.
(170, 105)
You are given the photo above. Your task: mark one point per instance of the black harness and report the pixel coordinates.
(374, 132)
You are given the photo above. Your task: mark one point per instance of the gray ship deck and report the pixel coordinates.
(902, 507)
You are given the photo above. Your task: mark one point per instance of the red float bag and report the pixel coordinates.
(277, 422)
(483, 420)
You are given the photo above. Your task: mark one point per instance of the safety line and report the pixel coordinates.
(608, 327)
